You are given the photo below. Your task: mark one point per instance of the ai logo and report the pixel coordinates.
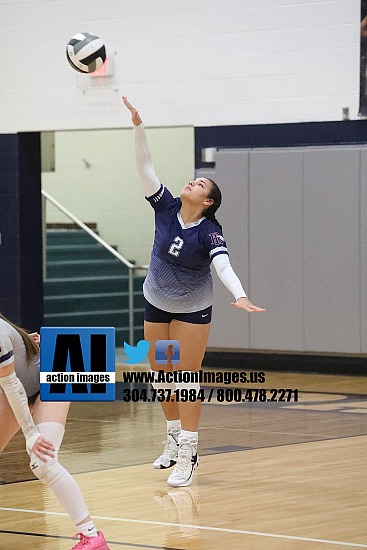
(77, 364)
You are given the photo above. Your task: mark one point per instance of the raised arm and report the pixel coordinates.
(144, 165)
(230, 280)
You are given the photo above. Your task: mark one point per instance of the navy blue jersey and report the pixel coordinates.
(179, 278)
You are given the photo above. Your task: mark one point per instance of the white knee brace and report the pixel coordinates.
(50, 471)
(55, 476)
(160, 382)
(188, 380)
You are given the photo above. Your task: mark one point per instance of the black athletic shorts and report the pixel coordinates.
(32, 398)
(154, 315)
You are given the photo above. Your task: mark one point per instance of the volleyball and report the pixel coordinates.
(86, 52)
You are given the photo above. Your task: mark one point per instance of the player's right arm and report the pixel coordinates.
(144, 165)
(18, 401)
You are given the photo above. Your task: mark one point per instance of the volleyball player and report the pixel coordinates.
(178, 293)
(43, 432)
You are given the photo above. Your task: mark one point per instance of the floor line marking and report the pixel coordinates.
(198, 527)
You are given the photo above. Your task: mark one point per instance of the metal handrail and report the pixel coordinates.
(131, 267)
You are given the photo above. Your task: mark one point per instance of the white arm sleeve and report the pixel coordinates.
(227, 276)
(148, 177)
(16, 395)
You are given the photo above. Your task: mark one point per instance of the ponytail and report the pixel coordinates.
(216, 195)
(31, 347)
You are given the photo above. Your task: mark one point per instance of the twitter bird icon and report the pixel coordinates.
(136, 354)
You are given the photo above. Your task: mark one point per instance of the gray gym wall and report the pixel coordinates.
(295, 221)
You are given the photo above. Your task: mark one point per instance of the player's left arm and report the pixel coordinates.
(230, 280)
(18, 401)
(16, 396)
(143, 159)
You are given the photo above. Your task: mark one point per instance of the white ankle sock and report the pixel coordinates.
(173, 426)
(88, 529)
(188, 437)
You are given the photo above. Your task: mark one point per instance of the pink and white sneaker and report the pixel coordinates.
(91, 543)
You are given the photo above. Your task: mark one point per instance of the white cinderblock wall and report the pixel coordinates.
(197, 62)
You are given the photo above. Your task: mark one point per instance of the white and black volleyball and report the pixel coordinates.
(86, 52)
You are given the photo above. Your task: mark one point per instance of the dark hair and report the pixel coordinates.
(216, 195)
(31, 348)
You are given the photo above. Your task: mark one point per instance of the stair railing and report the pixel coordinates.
(131, 267)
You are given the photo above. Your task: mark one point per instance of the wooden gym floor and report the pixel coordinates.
(289, 476)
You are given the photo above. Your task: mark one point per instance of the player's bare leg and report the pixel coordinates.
(193, 340)
(8, 423)
(152, 333)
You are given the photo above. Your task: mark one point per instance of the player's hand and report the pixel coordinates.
(36, 337)
(244, 303)
(135, 117)
(43, 448)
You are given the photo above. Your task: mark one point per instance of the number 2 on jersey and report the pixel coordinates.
(176, 246)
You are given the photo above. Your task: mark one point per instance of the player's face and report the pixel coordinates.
(197, 191)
